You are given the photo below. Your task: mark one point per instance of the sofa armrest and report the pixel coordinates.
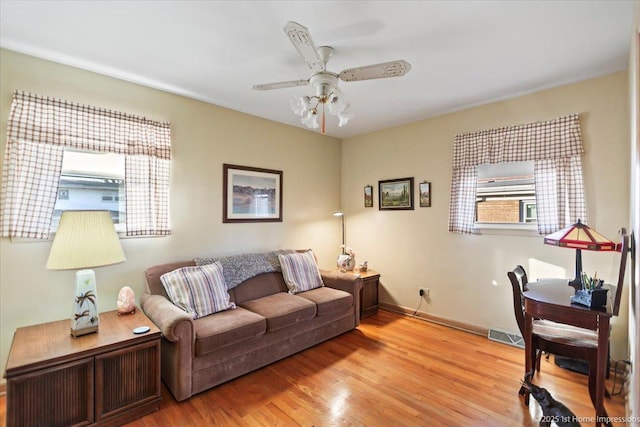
(347, 282)
(175, 323)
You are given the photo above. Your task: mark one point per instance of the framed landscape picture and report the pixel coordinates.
(251, 194)
(395, 194)
(368, 196)
(425, 194)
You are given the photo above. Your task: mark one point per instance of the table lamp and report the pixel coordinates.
(579, 236)
(85, 239)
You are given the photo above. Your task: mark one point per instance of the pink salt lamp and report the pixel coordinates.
(126, 301)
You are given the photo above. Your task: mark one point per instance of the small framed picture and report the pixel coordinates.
(395, 194)
(425, 194)
(251, 194)
(368, 196)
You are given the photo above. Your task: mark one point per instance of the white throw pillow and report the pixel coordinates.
(300, 271)
(198, 290)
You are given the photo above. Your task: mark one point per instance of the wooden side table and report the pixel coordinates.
(107, 378)
(369, 292)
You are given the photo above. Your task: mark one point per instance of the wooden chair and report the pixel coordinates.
(558, 338)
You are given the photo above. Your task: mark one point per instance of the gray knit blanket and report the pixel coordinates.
(238, 268)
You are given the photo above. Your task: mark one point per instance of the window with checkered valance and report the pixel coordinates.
(554, 146)
(38, 131)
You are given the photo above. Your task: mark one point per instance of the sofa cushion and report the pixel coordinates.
(281, 309)
(198, 290)
(227, 327)
(153, 284)
(258, 287)
(300, 271)
(328, 300)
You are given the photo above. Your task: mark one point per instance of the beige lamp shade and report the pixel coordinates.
(85, 239)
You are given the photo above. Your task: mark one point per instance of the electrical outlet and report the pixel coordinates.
(424, 292)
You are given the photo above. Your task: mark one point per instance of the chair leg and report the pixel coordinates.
(538, 356)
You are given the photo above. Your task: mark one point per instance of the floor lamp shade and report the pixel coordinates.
(580, 237)
(84, 240)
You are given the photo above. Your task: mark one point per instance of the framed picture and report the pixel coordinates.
(425, 194)
(395, 194)
(251, 194)
(368, 196)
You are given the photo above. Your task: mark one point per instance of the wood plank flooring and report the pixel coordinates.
(392, 371)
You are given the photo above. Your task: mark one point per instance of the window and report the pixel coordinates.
(42, 131)
(553, 147)
(92, 181)
(505, 194)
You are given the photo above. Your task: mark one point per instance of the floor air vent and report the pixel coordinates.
(506, 337)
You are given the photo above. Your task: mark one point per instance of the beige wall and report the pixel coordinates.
(204, 137)
(467, 273)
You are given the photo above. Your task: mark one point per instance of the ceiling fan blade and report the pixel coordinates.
(301, 39)
(376, 71)
(281, 85)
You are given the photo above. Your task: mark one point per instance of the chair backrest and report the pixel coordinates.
(624, 249)
(518, 278)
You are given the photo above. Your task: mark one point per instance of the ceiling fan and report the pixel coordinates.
(324, 82)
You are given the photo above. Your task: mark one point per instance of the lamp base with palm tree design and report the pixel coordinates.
(85, 306)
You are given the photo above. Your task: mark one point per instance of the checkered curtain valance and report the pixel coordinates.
(38, 131)
(556, 148)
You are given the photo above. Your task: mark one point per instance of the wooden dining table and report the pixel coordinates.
(550, 299)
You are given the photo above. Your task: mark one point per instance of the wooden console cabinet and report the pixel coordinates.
(106, 378)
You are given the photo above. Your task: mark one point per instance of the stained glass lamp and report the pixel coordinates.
(84, 240)
(580, 237)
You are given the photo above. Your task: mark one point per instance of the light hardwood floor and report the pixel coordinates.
(392, 371)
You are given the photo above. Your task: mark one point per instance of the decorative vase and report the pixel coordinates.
(346, 262)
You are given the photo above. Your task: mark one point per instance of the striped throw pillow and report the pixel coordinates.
(199, 290)
(300, 271)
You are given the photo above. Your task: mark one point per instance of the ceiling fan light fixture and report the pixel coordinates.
(337, 105)
(311, 119)
(324, 82)
(344, 117)
(299, 104)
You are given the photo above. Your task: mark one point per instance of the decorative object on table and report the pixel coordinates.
(251, 194)
(126, 301)
(425, 194)
(327, 95)
(368, 196)
(346, 261)
(395, 194)
(85, 240)
(579, 236)
(592, 294)
(364, 267)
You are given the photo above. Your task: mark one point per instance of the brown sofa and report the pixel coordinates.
(267, 325)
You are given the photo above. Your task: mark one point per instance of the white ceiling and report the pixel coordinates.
(463, 53)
